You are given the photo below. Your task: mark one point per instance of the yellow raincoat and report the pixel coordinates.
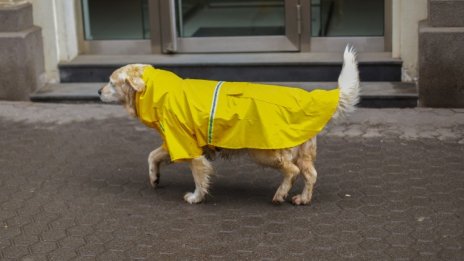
(191, 114)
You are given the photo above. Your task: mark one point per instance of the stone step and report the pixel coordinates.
(373, 95)
(253, 67)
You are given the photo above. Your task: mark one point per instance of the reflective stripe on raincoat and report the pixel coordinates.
(191, 114)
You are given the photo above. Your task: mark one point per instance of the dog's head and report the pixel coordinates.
(123, 85)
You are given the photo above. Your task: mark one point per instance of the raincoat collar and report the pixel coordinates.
(149, 97)
(152, 96)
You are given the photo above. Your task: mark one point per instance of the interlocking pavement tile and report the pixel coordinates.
(53, 235)
(140, 252)
(6, 213)
(377, 210)
(296, 248)
(25, 240)
(398, 228)
(325, 229)
(322, 254)
(72, 242)
(449, 230)
(62, 254)
(113, 256)
(99, 237)
(375, 233)
(451, 242)
(349, 204)
(424, 235)
(375, 245)
(119, 244)
(375, 199)
(401, 253)
(35, 228)
(35, 257)
(352, 251)
(80, 230)
(86, 258)
(349, 237)
(274, 228)
(269, 252)
(4, 244)
(63, 223)
(91, 250)
(427, 248)
(7, 232)
(452, 254)
(18, 221)
(15, 252)
(399, 240)
(43, 247)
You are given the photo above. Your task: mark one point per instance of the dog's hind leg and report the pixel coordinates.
(283, 161)
(305, 161)
(201, 171)
(154, 160)
(290, 172)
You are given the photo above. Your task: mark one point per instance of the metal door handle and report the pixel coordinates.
(172, 46)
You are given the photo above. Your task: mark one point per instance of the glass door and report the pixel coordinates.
(127, 20)
(116, 26)
(225, 26)
(331, 24)
(193, 26)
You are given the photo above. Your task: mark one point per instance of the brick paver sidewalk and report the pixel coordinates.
(73, 185)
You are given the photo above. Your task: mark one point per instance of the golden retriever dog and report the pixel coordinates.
(126, 83)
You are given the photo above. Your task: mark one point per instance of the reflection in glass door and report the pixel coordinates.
(330, 24)
(200, 18)
(230, 25)
(347, 18)
(115, 19)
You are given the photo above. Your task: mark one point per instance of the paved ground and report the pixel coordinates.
(73, 185)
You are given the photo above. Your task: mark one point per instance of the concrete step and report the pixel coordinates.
(254, 67)
(373, 95)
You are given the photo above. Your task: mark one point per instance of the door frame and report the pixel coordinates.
(159, 42)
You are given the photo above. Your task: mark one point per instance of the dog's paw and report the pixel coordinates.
(298, 200)
(192, 198)
(278, 200)
(154, 180)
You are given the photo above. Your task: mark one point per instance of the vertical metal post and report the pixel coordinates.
(86, 15)
(172, 47)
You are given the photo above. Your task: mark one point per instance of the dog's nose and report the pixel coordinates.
(99, 91)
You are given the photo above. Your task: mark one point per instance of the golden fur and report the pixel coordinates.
(126, 81)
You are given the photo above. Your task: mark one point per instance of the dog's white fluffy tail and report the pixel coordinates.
(348, 82)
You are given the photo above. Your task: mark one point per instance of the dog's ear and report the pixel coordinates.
(130, 102)
(136, 83)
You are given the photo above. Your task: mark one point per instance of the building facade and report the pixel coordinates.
(178, 28)
(73, 27)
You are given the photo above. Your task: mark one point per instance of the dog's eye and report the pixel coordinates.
(111, 84)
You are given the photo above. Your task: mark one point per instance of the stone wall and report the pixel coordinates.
(441, 55)
(405, 40)
(21, 51)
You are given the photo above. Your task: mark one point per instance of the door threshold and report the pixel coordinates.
(373, 94)
(232, 59)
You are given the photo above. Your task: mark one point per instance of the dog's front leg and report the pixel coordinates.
(201, 171)
(154, 160)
